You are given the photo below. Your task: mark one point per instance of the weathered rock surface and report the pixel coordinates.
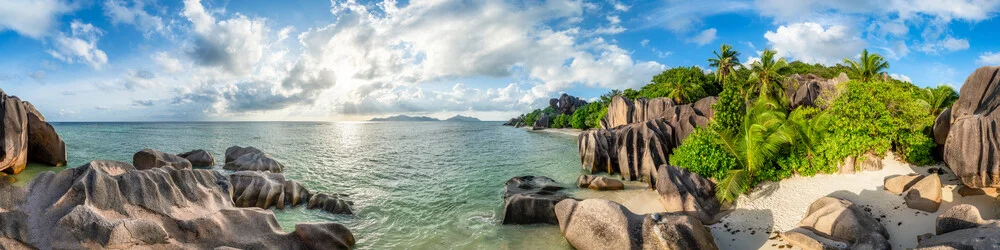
(925, 194)
(682, 191)
(641, 148)
(234, 152)
(809, 89)
(566, 104)
(542, 122)
(602, 224)
(833, 223)
(599, 183)
(596, 151)
(866, 162)
(942, 124)
(199, 158)
(149, 159)
(962, 227)
(899, 184)
(106, 204)
(13, 134)
(806, 95)
(266, 190)
(44, 144)
(531, 199)
(255, 162)
(972, 149)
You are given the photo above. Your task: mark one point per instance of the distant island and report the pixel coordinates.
(406, 118)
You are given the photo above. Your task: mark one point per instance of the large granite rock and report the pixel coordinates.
(531, 199)
(255, 162)
(641, 148)
(809, 89)
(44, 144)
(266, 190)
(805, 95)
(962, 227)
(599, 183)
(900, 183)
(925, 194)
(234, 152)
(542, 122)
(13, 134)
(942, 125)
(682, 191)
(596, 151)
(603, 224)
(566, 104)
(149, 158)
(199, 158)
(833, 223)
(106, 204)
(973, 144)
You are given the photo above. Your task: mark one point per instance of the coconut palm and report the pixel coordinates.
(809, 125)
(683, 91)
(938, 99)
(725, 62)
(765, 130)
(868, 67)
(765, 78)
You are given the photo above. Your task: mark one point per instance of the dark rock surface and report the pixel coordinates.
(972, 149)
(266, 190)
(641, 148)
(840, 222)
(234, 152)
(531, 199)
(596, 155)
(149, 158)
(566, 104)
(942, 125)
(255, 162)
(199, 158)
(599, 183)
(603, 224)
(682, 191)
(44, 144)
(13, 134)
(962, 227)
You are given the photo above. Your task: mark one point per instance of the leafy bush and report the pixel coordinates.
(588, 116)
(530, 118)
(802, 68)
(702, 153)
(729, 109)
(702, 85)
(560, 121)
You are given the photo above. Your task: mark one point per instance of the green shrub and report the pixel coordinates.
(659, 87)
(702, 153)
(729, 109)
(560, 121)
(530, 118)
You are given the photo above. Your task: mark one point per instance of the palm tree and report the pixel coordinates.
(682, 91)
(725, 62)
(868, 67)
(765, 130)
(938, 99)
(765, 77)
(809, 127)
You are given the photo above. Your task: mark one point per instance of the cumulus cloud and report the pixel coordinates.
(811, 43)
(901, 77)
(32, 18)
(948, 44)
(167, 62)
(235, 45)
(80, 46)
(704, 37)
(989, 58)
(119, 12)
(684, 16)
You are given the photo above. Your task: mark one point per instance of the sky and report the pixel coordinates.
(345, 60)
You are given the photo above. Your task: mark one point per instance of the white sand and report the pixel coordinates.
(780, 206)
(563, 131)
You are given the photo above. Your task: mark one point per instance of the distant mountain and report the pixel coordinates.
(459, 118)
(405, 118)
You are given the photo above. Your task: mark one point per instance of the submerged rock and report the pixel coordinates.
(833, 223)
(531, 199)
(199, 158)
(266, 190)
(234, 152)
(962, 227)
(599, 183)
(107, 204)
(255, 162)
(973, 143)
(603, 224)
(683, 191)
(149, 159)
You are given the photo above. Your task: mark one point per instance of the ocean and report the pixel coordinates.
(415, 185)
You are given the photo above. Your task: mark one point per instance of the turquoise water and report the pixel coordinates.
(416, 185)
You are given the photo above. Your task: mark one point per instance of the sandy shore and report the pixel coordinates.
(564, 131)
(776, 207)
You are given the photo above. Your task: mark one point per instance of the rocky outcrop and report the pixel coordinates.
(900, 183)
(973, 144)
(602, 224)
(806, 95)
(106, 204)
(622, 111)
(866, 162)
(199, 158)
(234, 152)
(13, 134)
(531, 199)
(254, 162)
(942, 124)
(641, 148)
(596, 151)
(266, 190)
(599, 183)
(149, 158)
(682, 191)
(809, 89)
(962, 227)
(542, 122)
(566, 104)
(833, 223)
(44, 144)
(925, 194)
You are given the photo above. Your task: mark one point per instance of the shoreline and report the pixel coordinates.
(562, 131)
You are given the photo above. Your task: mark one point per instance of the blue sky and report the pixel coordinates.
(124, 60)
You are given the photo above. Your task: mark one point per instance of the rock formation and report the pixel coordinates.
(149, 158)
(833, 223)
(266, 190)
(531, 199)
(599, 183)
(973, 143)
(25, 135)
(602, 224)
(868, 162)
(234, 152)
(961, 227)
(199, 158)
(924, 194)
(107, 204)
(809, 89)
(942, 124)
(44, 144)
(254, 162)
(682, 191)
(542, 122)
(596, 153)
(642, 147)
(566, 104)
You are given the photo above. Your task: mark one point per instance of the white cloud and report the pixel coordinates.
(619, 6)
(989, 58)
(901, 77)
(37, 75)
(811, 43)
(897, 50)
(32, 18)
(236, 44)
(970, 10)
(167, 63)
(948, 44)
(704, 37)
(118, 12)
(684, 16)
(80, 46)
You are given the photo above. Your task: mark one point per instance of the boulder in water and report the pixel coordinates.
(838, 224)
(234, 152)
(13, 134)
(149, 158)
(255, 162)
(266, 190)
(683, 191)
(603, 224)
(973, 143)
(531, 199)
(44, 144)
(199, 158)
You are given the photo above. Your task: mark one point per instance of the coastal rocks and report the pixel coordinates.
(962, 227)
(254, 162)
(234, 152)
(866, 162)
(44, 144)
(925, 194)
(531, 199)
(809, 89)
(13, 134)
(603, 224)
(595, 151)
(199, 158)
(331, 203)
(973, 142)
(805, 95)
(541, 123)
(641, 148)
(622, 111)
(266, 190)
(685, 192)
(899, 184)
(149, 158)
(942, 124)
(566, 104)
(107, 204)
(599, 183)
(833, 223)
